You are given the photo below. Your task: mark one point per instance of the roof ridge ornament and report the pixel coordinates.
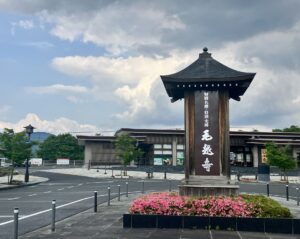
(205, 52)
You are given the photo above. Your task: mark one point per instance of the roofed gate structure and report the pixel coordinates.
(206, 87)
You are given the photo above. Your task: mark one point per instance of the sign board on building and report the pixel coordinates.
(264, 156)
(63, 161)
(36, 161)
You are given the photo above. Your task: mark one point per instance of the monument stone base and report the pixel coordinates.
(208, 186)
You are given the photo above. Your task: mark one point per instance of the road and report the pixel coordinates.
(74, 194)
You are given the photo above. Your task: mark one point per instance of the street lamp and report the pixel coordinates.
(28, 130)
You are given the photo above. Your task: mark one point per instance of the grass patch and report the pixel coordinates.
(267, 207)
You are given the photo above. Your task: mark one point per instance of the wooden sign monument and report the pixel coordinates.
(206, 87)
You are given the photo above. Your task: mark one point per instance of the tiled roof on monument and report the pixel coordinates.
(207, 74)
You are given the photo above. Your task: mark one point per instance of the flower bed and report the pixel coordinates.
(239, 206)
(242, 213)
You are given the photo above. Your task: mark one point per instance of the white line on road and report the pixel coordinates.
(80, 184)
(9, 199)
(71, 187)
(48, 192)
(47, 210)
(5, 216)
(31, 195)
(60, 189)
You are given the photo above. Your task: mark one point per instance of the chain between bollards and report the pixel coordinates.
(108, 196)
(126, 189)
(53, 215)
(95, 201)
(16, 223)
(287, 191)
(119, 192)
(297, 189)
(143, 186)
(268, 189)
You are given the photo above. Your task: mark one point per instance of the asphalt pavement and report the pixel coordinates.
(76, 219)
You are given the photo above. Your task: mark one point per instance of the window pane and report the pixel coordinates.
(180, 146)
(157, 151)
(157, 146)
(167, 146)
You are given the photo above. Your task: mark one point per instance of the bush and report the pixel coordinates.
(267, 207)
(238, 206)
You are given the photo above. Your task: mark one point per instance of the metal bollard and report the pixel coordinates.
(119, 192)
(16, 222)
(95, 201)
(126, 189)
(297, 189)
(170, 186)
(268, 190)
(105, 169)
(108, 196)
(287, 192)
(143, 186)
(112, 172)
(165, 174)
(53, 215)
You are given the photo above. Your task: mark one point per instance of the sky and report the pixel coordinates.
(94, 66)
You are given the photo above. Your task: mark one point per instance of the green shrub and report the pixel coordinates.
(267, 207)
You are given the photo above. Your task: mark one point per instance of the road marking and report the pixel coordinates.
(9, 199)
(100, 182)
(80, 184)
(71, 187)
(50, 209)
(31, 195)
(48, 192)
(60, 189)
(5, 216)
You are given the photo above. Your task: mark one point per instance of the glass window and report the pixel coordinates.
(158, 161)
(157, 146)
(157, 151)
(180, 158)
(168, 152)
(180, 146)
(167, 146)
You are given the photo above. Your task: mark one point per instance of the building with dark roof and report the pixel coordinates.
(163, 146)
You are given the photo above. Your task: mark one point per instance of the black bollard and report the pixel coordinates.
(16, 223)
(108, 196)
(268, 190)
(297, 189)
(126, 189)
(95, 201)
(53, 215)
(287, 192)
(119, 192)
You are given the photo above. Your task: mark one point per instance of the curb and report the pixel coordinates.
(7, 187)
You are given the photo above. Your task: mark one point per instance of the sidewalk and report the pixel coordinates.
(107, 224)
(20, 177)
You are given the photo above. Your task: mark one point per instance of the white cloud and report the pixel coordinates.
(130, 79)
(118, 27)
(58, 89)
(57, 126)
(24, 24)
(39, 44)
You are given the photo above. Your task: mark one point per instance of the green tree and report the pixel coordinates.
(126, 149)
(280, 157)
(292, 128)
(61, 146)
(15, 147)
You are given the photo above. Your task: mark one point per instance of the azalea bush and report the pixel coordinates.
(172, 204)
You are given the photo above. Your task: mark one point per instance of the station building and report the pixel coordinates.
(162, 147)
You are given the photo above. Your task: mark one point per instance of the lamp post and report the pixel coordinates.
(28, 130)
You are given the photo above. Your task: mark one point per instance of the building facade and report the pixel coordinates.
(166, 147)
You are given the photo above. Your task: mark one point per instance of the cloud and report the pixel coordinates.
(58, 89)
(39, 44)
(24, 24)
(57, 126)
(4, 108)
